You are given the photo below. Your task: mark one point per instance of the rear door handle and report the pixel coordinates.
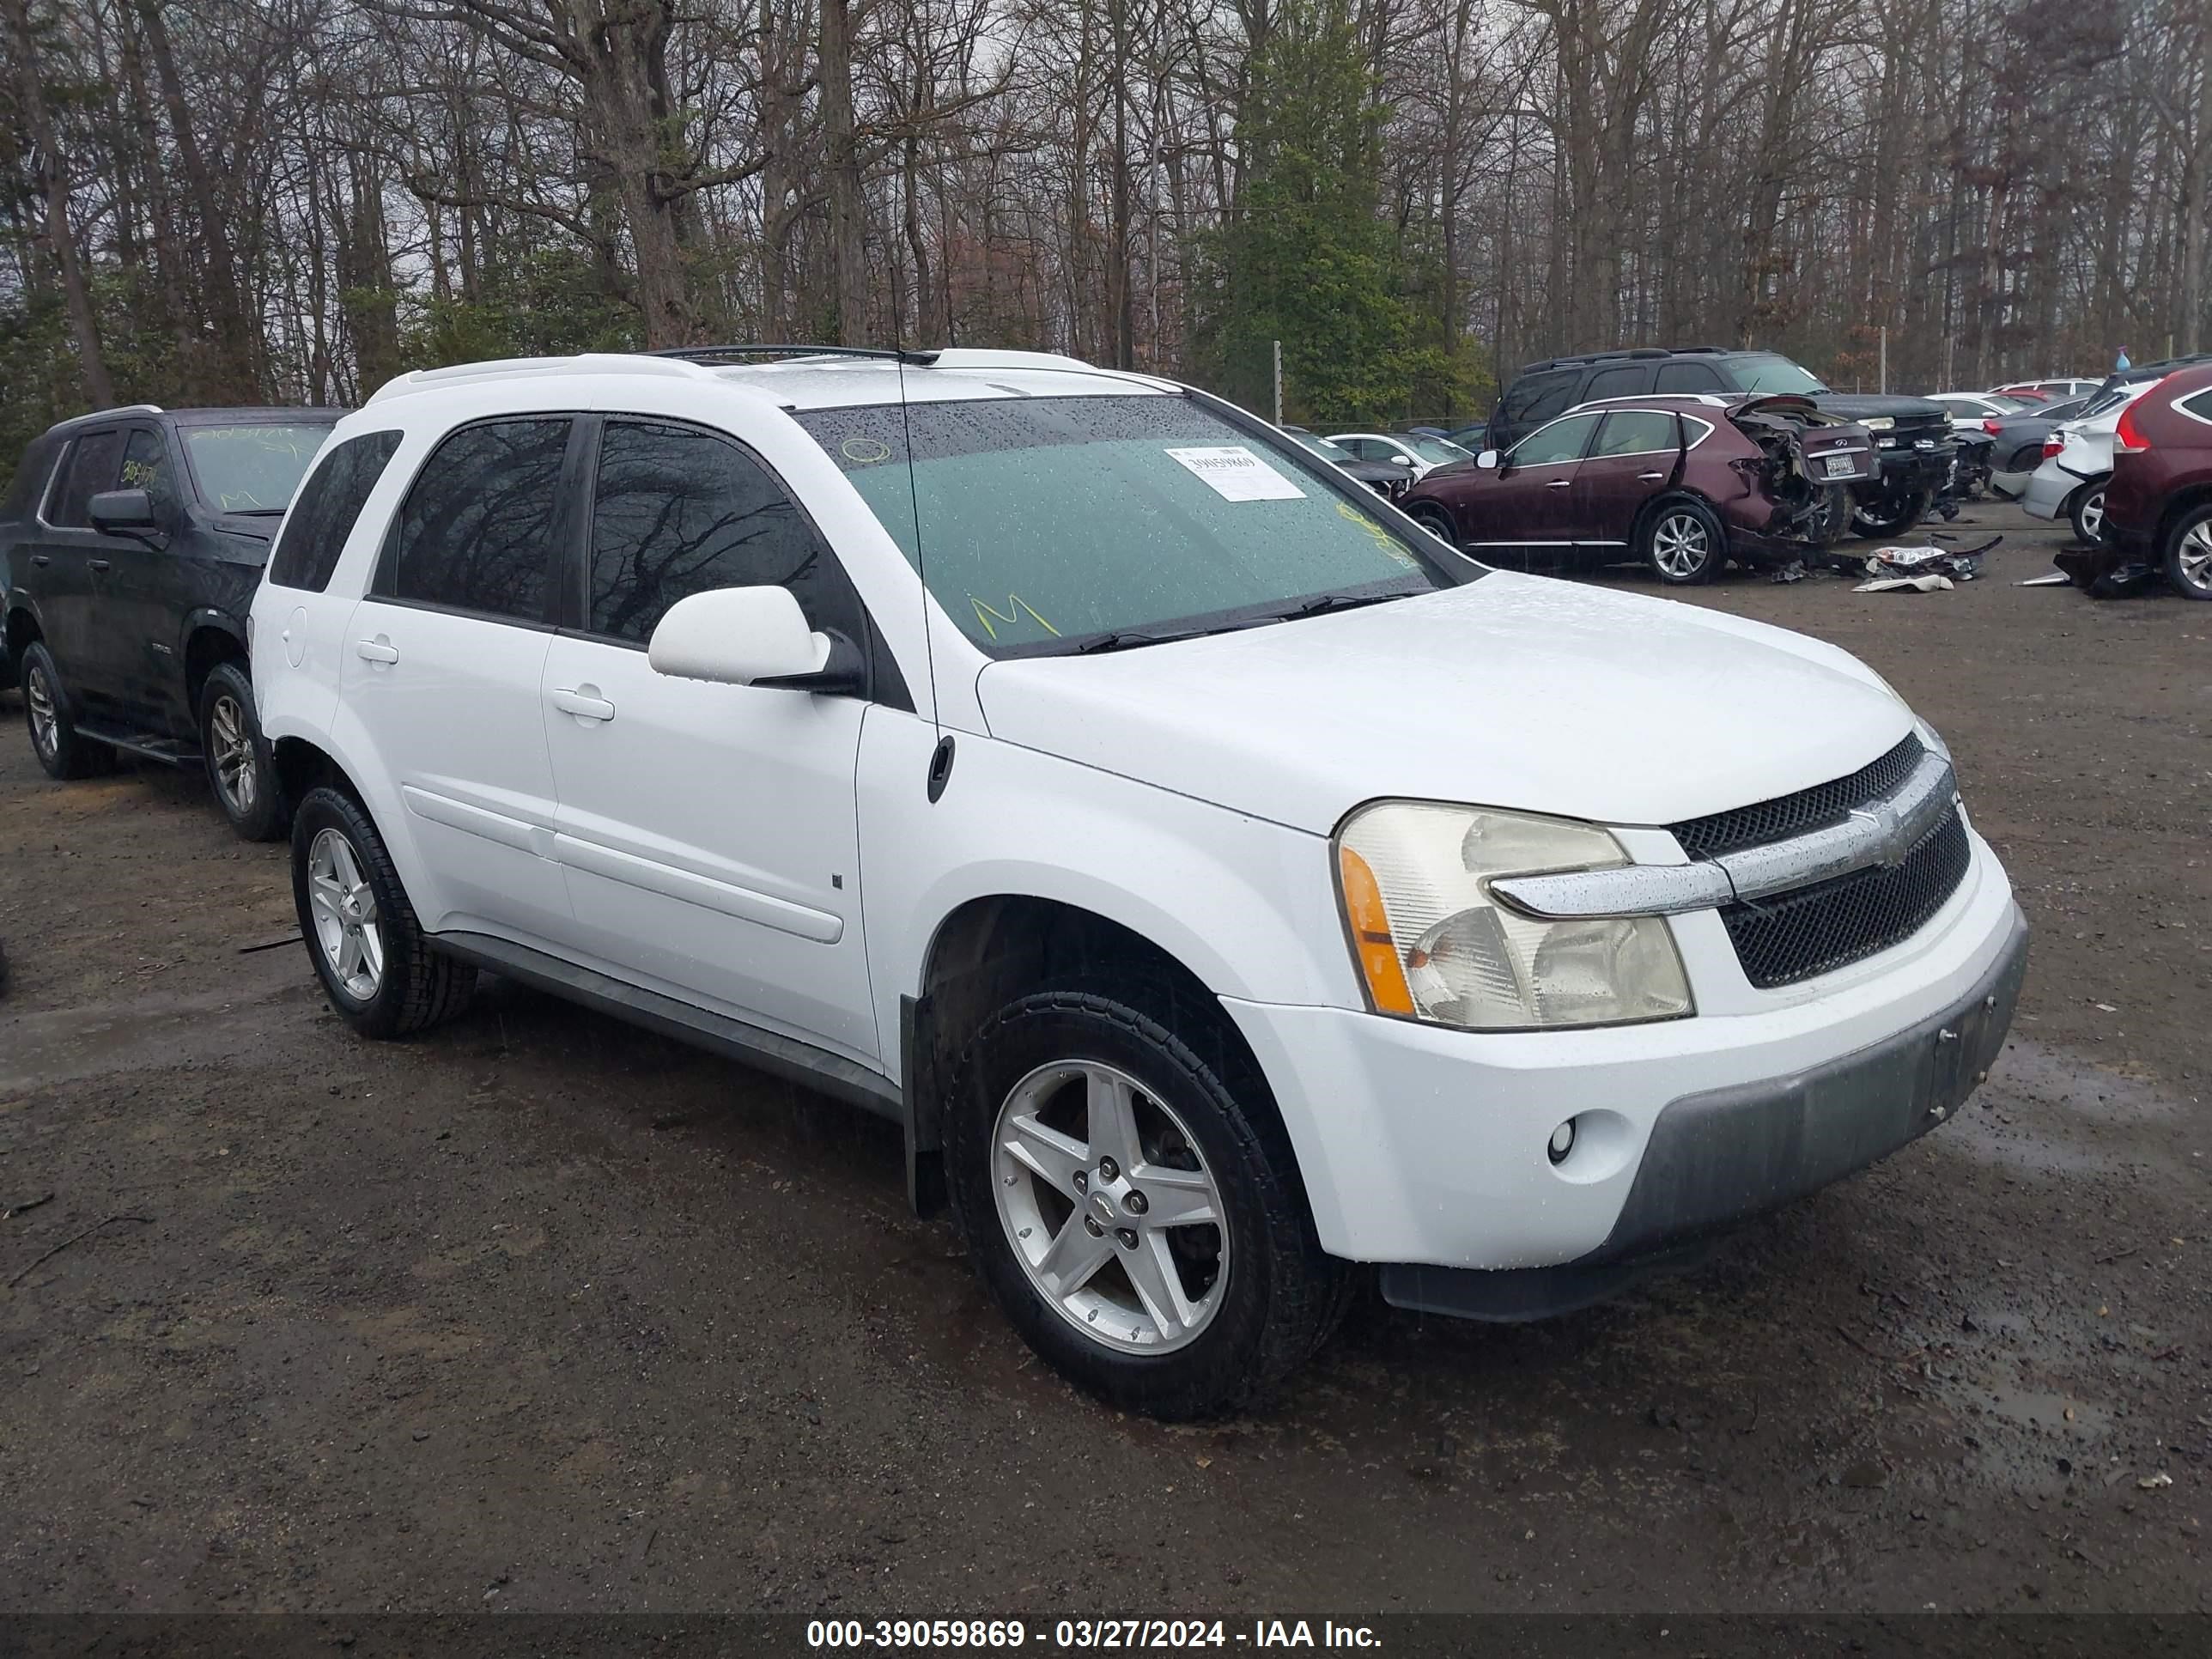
(1650, 477)
(101, 564)
(1559, 483)
(377, 650)
(41, 559)
(582, 703)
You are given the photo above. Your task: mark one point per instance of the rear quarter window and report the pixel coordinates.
(330, 503)
(2197, 403)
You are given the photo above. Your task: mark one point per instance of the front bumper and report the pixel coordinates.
(1423, 1145)
(1904, 469)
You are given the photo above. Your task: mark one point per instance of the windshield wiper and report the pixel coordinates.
(1324, 602)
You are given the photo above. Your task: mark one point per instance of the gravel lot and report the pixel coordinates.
(540, 1312)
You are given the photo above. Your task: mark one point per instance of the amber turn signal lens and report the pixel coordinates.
(1370, 935)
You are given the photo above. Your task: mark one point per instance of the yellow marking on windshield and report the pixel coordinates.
(1383, 539)
(1015, 605)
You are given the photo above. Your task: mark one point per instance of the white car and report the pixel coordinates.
(1224, 882)
(1420, 456)
(2077, 464)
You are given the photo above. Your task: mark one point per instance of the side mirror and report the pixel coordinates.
(1487, 459)
(122, 512)
(751, 636)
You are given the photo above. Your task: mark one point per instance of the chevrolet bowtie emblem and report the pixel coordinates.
(1895, 843)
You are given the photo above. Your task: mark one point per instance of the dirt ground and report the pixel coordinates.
(542, 1312)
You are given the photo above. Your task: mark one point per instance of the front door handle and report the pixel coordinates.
(1559, 483)
(101, 564)
(583, 702)
(41, 560)
(379, 649)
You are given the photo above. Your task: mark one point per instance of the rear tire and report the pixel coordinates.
(1065, 1105)
(63, 751)
(2086, 509)
(382, 976)
(1434, 519)
(239, 767)
(1683, 542)
(2189, 553)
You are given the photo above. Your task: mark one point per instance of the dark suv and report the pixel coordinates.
(130, 544)
(1912, 435)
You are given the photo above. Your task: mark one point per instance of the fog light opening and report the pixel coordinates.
(1562, 1142)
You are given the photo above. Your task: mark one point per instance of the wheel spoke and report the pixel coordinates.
(1175, 1198)
(1071, 1258)
(1112, 1107)
(1151, 1270)
(372, 951)
(1053, 1157)
(349, 955)
(326, 897)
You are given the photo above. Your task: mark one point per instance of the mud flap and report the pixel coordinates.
(925, 1108)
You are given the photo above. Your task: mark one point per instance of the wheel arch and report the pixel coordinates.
(1672, 495)
(210, 638)
(2179, 506)
(992, 948)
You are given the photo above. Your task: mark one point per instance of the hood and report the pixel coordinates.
(1861, 405)
(1513, 692)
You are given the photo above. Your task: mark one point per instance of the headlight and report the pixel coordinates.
(1930, 739)
(1432, 942)
(1879, 423)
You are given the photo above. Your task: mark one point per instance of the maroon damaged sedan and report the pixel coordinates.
(1684, 484)
(2158, 507)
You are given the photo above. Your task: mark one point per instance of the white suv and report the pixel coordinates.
(1222, 880)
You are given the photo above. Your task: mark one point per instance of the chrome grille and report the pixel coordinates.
(1817, 929)
(1793, 815)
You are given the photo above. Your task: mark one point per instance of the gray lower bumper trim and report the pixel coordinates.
(1719, 1157)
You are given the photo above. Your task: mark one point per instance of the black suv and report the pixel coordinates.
(1912, 436)
(131, 545)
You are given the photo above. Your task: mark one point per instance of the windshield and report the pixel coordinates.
(1322, 448)
(1053, 524)
(252, 469)
(1765, 372)
(1438, 452)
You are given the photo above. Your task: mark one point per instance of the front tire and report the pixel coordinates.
(2085, 508)
(240, 768)
(63, 751)
(2189, 553)
(1892, 512)
(381, 976)
(1133, 1209)
(1683, 542)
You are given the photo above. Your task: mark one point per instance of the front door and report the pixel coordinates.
(441, 671)
(142, 597)
(1631, 460)
(708, 831)
(1529, 504)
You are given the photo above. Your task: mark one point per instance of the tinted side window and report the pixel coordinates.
(1562, 441)
(94, 462)
(476, 532)
(1635, 431)
(2200, 405)
(323, 515)
(679, 512)
(1537, 398)
(146, 466)
(1688, 377)
(1629, 381)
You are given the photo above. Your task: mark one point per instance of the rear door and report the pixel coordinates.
(710, 832)
(1530, 504)
(70, 565)
(1633, 459)
(441, 669)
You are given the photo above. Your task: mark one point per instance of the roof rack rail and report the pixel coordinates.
(709, 353)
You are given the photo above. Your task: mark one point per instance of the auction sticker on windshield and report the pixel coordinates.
(1236, 474)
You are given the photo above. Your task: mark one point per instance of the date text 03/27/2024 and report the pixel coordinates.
(892, 1634)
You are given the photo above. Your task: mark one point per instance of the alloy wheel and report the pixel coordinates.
(46, 716)
(1680, 545)
(347, 928)
(231, 750)
(2092, 515)
(1109, 1207)
(2193, 557)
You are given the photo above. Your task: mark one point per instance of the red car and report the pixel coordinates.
(1684, 484)
(2158, 506)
